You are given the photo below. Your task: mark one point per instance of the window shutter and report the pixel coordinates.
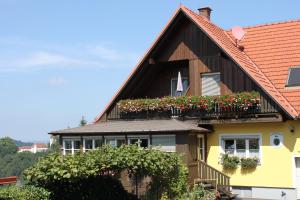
(211, 84)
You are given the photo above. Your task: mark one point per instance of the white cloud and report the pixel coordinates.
(25, 55)
(112, 54)
(57, 81)
(40, 60)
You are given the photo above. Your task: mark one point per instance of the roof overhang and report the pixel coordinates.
(134, 127)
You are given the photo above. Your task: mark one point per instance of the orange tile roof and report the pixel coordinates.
(275, 48)
(269, 51)
(41, 145)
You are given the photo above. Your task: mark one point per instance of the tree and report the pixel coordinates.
(82, 122)
(54, 145)
(7, 146)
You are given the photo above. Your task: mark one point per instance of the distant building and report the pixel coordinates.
(38, 147)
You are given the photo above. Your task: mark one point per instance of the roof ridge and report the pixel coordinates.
(284, 101)
(270, 24)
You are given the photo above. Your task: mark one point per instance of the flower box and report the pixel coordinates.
(239, 104)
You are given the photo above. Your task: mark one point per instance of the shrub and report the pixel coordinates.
(165, 169)
(199, 193)
(23, 193)
(249, 163)
(230, 162)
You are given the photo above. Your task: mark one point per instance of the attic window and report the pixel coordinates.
(293, 77)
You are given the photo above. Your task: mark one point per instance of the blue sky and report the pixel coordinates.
(60, 60)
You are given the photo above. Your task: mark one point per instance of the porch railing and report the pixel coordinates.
(202, 172)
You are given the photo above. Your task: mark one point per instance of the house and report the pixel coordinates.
(37, 147)
(202, 125)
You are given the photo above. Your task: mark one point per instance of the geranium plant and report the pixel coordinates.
(231, 102)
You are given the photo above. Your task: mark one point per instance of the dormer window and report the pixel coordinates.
(211, 84)
(293, 77)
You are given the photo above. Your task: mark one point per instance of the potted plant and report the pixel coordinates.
(230, 161)
(249, 163)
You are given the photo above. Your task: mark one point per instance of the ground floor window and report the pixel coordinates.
(164, 142)
(141, 141)
(241, 146)
(115, 141)
(72, 145)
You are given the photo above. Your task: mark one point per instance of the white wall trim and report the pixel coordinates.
(241, 135)
(294, 156)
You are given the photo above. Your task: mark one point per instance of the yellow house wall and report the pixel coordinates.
(277, 166)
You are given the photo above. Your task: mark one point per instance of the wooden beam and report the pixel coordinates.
(275, 118)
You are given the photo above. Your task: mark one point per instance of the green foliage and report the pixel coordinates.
(15, 164)
(249, 163)
(7, 146)
(166, 169)
(199, 193)
(23, 193)
(82, 122)
(239, 102)
(55, 146)
(230, 162)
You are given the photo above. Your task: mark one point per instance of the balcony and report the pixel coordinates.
(240, 106)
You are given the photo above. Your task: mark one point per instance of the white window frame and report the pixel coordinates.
(235, 137)
(139, 137)
(93, 138)
(210, 74)
(160, 147)
(288, 78)
(115, 138)
(72, 139)
(182, 78)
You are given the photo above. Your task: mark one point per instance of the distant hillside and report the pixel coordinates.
(20, 143)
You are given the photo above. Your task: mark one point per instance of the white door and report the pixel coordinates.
(297, 160)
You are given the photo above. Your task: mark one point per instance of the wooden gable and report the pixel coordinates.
(185, 47)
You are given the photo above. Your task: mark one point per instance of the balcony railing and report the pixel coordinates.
(234, 106)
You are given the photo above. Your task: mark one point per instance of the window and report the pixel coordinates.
(115, 141)
(76, 145)
(140, 141)
(185, 85)
(211, 84)
(97, 143)
(293, 77)
(71, 146)
(67, 147)
(243, 147)
(88, 144)
(164, 142)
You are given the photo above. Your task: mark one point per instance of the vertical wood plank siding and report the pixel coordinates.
(187, 49)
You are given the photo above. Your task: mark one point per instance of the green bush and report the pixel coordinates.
(23, 193)
(249, 163)
(55, 170)
(199, 193)
(230, 162)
